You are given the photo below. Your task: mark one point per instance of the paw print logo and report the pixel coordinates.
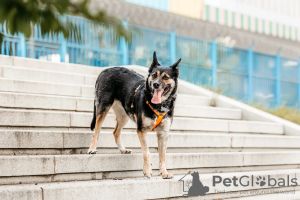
(261, 181)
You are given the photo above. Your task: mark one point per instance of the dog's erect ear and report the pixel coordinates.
(154, 62)
(175, 67)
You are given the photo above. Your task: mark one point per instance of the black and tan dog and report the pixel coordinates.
(150, 103)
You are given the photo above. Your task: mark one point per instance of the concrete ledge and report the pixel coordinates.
(49, 102)
(22, 192)
(291, 196)
(34, 118)
(271, 158)
(31, 139)
(265, 141)
(61, 164)
(184, 142)
(56, 139)
(140, 188)
(6, 60)
(26, 165)
(255, 127)
(207, 112)
(19, 73)
(193, 100)
(180, 123)
(9, 85)
(46, 65)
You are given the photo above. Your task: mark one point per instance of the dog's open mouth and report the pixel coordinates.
(156, 99)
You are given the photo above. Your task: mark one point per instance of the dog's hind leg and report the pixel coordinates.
(99, 120)
(122, 119)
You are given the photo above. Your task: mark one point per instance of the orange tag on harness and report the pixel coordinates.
(159, 116)
(158, 120)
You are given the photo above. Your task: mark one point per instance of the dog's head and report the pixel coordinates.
(162, 81)
(195, 175)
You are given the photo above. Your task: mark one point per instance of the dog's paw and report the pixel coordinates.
(148, 175)
(126, 151)
(92, 151)
(167, 176)
(147, 170)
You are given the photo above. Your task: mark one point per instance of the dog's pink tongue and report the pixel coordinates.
(156, 97)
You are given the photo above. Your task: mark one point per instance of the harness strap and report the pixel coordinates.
(132, 106)
(159, 116)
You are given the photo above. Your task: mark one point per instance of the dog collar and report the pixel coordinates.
(159, 116)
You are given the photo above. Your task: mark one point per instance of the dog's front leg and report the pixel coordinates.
(162, 137)
(147, 170)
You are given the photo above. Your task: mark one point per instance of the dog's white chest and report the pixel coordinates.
(148, 123)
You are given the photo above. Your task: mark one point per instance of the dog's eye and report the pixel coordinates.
(166, 78)
(154, 76)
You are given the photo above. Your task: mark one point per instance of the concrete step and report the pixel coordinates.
(17, 142)
(207, 112)
(155, 188)
(286, 194)
(61, 164)
(28, 101)
(20, 73)
(46, 65)
(29, 118)
(35, 87)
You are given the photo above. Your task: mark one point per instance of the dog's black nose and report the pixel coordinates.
(155, 85)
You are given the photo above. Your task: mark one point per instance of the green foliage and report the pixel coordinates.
(290, 114)
(19, 16)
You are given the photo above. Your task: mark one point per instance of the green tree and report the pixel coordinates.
(19, 16)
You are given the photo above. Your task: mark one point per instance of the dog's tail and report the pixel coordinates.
(93, 123)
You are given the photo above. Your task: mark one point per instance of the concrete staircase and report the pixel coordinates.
(45, 112)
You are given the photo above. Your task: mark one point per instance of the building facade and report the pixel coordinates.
(269, 17)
